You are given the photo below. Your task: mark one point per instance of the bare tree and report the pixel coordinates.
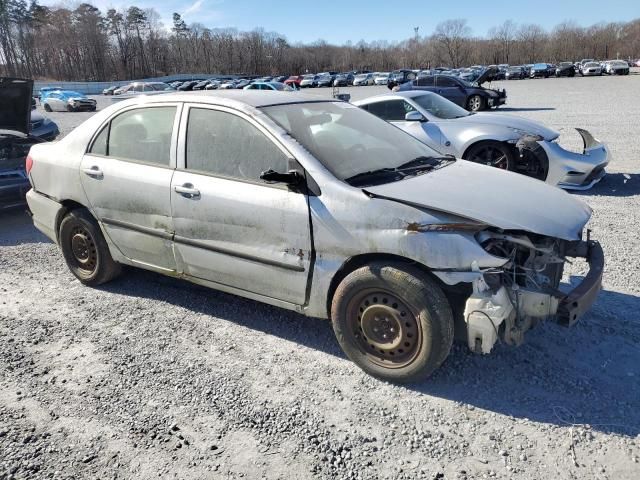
(453, 38)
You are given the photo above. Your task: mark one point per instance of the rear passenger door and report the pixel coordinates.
(231, 227)
(126, 175)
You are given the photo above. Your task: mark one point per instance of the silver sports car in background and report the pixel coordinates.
(499, 140)
(318, 207)
(591, 69)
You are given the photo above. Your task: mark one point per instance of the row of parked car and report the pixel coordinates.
(585, 68)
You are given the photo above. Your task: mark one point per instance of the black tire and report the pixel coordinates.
(402, 302)
(486, 153)
(70, 108)
(475, 103)
(47, 108)
(85, 250)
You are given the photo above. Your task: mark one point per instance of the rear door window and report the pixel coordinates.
(142, 135)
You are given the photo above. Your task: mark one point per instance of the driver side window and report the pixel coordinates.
(391, 110)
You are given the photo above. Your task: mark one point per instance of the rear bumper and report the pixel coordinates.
(576, 303)
(13, 187)
(45, 212)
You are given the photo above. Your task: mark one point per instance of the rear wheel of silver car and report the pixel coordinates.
(47, 108)
(492, 154)
(475, 103)
(393, 321)
(85, 249)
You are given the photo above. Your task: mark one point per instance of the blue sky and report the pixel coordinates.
(355, 20)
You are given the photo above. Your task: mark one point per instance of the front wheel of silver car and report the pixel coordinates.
(475, 103)
(85, 250)
(393, 321)
(492, 154)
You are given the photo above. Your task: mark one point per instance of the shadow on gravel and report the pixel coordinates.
(16, 228)
(525, 109)
(587, 374)
(614, 185)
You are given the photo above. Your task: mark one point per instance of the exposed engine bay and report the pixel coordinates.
(507, 302)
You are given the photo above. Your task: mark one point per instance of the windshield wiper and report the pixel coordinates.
(381, 172)
(411, 168)
(425, 162)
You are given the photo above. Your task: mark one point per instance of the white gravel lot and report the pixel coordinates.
(151, 377)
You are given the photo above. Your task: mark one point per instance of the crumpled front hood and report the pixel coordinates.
(15, 104)
(511, 122)
(494, 197)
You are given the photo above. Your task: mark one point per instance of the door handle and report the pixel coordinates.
(187, 190)
(94, 171)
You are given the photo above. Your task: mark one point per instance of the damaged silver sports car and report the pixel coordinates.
(498, 140)
(319, 207)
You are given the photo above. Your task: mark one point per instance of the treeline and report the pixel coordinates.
(86, 44)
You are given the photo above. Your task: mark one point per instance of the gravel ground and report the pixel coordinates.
(152, 377)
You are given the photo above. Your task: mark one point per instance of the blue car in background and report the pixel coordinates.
(66, 100)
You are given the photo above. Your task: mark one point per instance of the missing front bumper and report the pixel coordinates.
(576, 303)
(494, 311)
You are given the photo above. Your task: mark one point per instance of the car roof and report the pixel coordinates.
(233, 98)
(392, 95)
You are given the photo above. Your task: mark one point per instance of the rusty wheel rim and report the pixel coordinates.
(385, 328)
(83, 248)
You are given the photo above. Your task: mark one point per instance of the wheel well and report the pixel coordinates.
(358, 261)
(68, 206)
(456, 295)
(475, 144)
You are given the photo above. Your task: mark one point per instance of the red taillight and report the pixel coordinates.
(28, 164)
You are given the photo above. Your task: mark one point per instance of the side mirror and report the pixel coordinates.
(414, 116)
(292, 177)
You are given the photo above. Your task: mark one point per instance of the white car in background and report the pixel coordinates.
(381, 78)
(616, 67)
(502, 141)
(363, 79)
(591, 69)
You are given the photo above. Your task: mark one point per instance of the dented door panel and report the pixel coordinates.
(248, 236)
(132, 202)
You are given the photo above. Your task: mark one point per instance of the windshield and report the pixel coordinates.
(355, 146)
(440, 107)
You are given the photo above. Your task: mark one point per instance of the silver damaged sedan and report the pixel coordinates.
(496, 139)
(319, 207)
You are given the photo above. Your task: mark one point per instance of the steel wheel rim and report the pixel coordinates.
(384, 327)
(83, 249)
(491, 156)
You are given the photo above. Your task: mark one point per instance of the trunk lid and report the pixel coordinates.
(15, 104)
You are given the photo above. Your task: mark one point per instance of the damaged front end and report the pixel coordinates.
(508, 301)
(547, 160)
